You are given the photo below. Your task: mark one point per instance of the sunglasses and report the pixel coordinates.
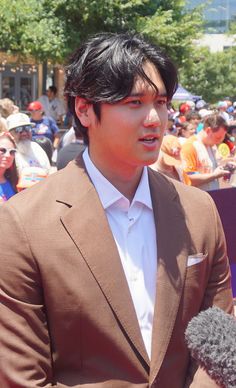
(4, 150)
(26, 128)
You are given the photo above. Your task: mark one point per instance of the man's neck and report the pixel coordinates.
(126, 187)
(123, 179)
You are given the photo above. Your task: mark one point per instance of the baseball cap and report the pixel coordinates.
(35, 105)
(170, 150)
(222, 104)
(205, 112)
(200, 104)
(17, 120)
(184, 108)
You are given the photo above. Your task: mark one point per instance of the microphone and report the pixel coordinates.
(211, 339)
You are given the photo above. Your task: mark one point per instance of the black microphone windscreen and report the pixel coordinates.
(211, 339)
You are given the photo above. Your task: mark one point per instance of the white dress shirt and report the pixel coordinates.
(134, 232)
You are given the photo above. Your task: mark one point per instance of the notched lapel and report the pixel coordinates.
(88, 227)
(173, 244)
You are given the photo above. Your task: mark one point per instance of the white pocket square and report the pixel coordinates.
(195, 259)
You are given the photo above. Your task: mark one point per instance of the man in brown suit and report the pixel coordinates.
(105, 262)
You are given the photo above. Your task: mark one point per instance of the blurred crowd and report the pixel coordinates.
(199, 146)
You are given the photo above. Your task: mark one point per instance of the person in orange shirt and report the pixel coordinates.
(199, 153)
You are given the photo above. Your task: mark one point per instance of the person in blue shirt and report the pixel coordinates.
(44, 126)
(8, 171)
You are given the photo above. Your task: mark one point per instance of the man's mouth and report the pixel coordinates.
(149, 139)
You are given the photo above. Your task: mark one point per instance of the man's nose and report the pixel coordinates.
(152, 119)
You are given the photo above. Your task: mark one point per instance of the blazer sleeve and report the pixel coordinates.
(218, 292)
(25, 354)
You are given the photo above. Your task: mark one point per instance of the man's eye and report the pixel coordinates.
(134, 102)
(161, 102)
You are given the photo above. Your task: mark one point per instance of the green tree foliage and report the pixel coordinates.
(174, 28)
(211, 75)
(51, 29)
(28, 28)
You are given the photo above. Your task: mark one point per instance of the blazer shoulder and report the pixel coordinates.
(186, 194)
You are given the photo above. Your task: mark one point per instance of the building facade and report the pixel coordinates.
(22, 82)
(218, 14)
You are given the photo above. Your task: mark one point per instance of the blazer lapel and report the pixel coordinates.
(173, 243)
(88, 227)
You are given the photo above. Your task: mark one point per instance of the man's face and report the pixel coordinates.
(215, 137)
(130, 132)
(22, 133)
(36, 115)
(50, 94)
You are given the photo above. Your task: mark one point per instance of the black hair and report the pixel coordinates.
(78, 133)
(53, 89)
(104, 69)
(46, 145)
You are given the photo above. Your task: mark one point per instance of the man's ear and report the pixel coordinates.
(82, 108)
(208, 130)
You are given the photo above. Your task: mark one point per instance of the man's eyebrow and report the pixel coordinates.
(141, 94)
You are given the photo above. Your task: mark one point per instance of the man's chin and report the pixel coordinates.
(152, 159)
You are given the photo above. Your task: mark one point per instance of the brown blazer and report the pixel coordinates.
(66, 314)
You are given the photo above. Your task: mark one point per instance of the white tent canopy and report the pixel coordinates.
(183, 95)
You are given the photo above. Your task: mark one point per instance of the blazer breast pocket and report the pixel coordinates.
(196, 265)
(196, 259)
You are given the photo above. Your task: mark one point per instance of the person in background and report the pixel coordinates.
(43, 126)
(193, 117)
(45, 131)
(186, 130)
(3, 124)
(169, 160)
(56, 106)
(7, 107)
(199, 154)
(29, 153)
(104, 264)
(222, 107)
(184, 108)
(70, 151)
(201, 104)
(8, 171)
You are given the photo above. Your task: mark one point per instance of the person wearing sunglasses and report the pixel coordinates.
(8, 171)
(30, 154)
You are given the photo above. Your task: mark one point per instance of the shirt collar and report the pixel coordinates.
(108, 194)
